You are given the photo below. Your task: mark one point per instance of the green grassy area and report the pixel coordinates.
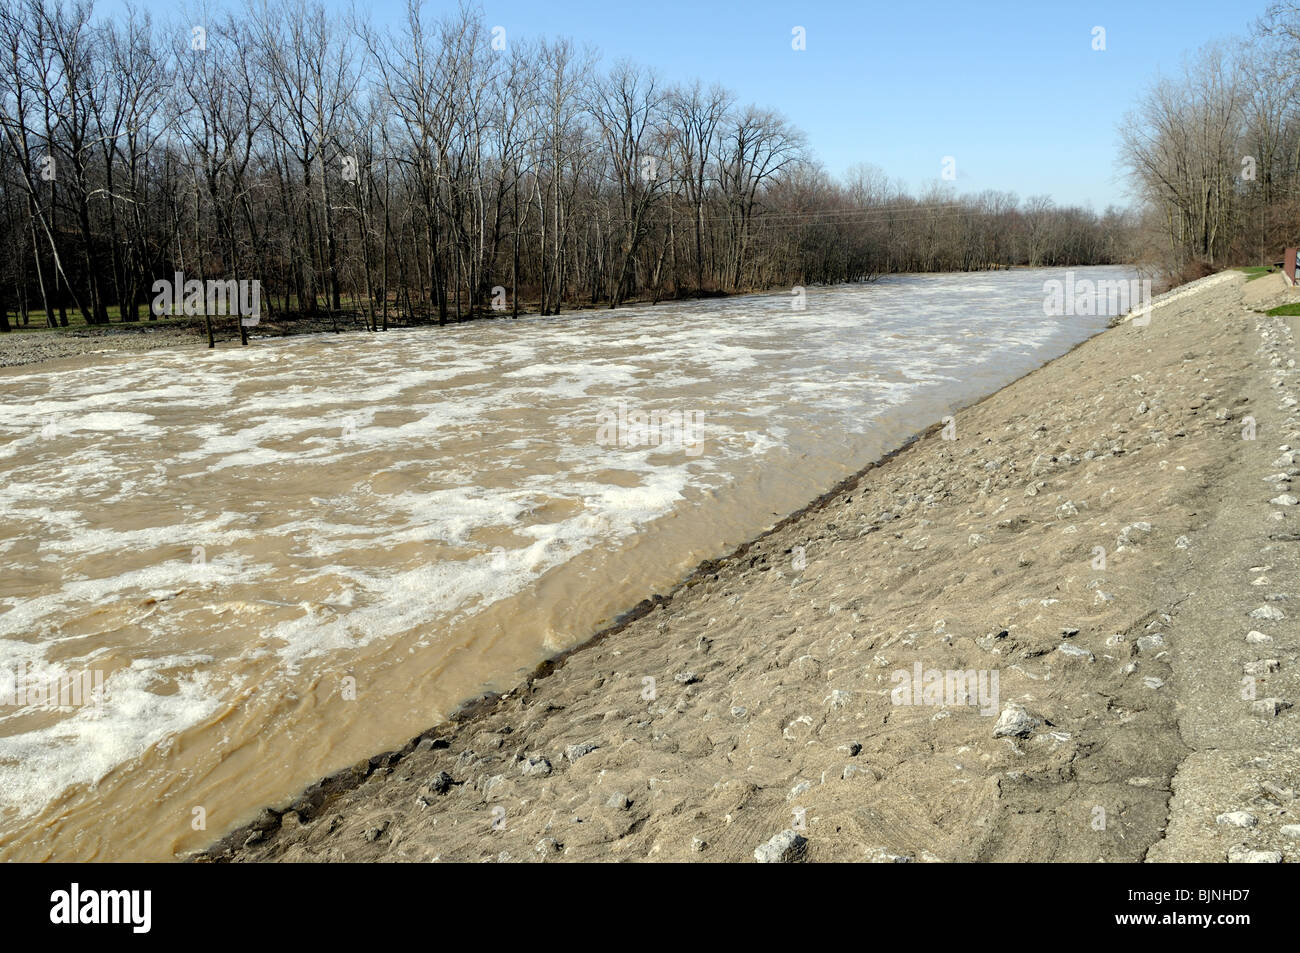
(1291, 310)
(37, 321)
(1256, 271)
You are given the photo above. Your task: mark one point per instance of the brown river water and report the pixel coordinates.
(281, 559)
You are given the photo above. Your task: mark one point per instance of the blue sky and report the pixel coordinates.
(1013, 92)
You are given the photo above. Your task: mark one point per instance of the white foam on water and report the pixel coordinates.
(27, 614)
(90, 741)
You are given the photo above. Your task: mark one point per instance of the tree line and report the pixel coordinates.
(433, 172)
(1213, 152)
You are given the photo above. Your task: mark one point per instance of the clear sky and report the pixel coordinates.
(1013, 91)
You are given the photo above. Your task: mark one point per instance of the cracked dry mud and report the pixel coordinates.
(1155, 687)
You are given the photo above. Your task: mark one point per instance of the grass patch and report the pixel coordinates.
(77, 322)
(38, 326)
(1256, 271)
(1291, 310)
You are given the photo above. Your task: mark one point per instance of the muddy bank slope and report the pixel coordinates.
(1099, 536)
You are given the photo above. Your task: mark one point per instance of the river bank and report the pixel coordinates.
(1096, 544)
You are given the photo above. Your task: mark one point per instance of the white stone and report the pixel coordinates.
(535, 765)
(785, 848)
(1075, 651)
(1241, 854)
(1237, 819)
(1015, 722)
(1271, 613)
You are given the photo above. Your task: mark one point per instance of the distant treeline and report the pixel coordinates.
(431, 172)
(1214, 152)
